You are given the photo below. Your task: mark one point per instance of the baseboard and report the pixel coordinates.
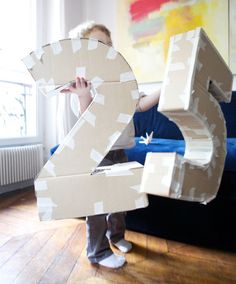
(16, 186)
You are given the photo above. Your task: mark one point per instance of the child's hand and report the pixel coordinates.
(81, 87)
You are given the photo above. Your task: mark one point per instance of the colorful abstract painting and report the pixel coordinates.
(144, 28)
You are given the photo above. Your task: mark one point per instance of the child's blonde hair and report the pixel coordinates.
(85, 29)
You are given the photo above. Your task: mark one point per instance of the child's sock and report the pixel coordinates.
(123, 245)
(113, 261)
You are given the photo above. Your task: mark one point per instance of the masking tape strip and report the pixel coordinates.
(111, 54)
(81, 71)
(39, 53)
(192, 192)
(175, 187)
(56, 47)
(76, 44)
(166, 179)
(175, 48)
(90, 117)
(135, 94)
(98, 207)
(48, 88)
(168, 161)
(45, 215)
(96, 156)
(99, 99)
(202, 44)
(69, 142)
(77, 126)
(115, 173)
(177, 37)
(181, 176)
(96, 82)
(149, 167)
(177, 66)
(114, 137)
(190, 34)
(213, 162)
(209, 172)
(49, 167)
(128, 165)
(40, 185)
(41, 82)
(127, 76)
(112, 140)
(29, 61)
(92, 44)
(45, 208)
(199, 65)
(45, 202)
(124, 118)
(51, 83)
(208, 199)
(141, 201)
(136, 187)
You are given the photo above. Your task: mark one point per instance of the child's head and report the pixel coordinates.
(93, 30)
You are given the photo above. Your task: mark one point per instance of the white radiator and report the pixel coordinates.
(20, 163)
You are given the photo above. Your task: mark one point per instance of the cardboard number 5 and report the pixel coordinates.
(196, 79)
(66, 186)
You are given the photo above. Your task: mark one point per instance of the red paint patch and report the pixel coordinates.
(141, 8)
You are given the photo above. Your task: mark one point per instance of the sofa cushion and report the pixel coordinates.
(138, 152)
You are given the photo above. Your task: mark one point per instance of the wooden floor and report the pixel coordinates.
(55, 252)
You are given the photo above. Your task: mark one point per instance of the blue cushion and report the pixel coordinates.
(230, 163)
(52, 150)
(138, 152)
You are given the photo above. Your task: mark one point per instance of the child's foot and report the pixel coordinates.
(113, 261)
(123, 245)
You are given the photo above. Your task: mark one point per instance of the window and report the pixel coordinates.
(17, 110)
(18, 99)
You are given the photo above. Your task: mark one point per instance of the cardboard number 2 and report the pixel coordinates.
(196, 79)
(67, 186)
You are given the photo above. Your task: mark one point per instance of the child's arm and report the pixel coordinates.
(82, 88)
(148, 101)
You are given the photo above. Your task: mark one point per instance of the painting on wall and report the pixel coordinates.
(144, 28)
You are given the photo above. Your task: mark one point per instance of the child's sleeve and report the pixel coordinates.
(138, 108)
(75, 104)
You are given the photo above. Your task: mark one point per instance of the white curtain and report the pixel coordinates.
(56, 112)
(55, 18)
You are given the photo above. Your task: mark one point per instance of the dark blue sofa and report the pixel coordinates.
(211, 225)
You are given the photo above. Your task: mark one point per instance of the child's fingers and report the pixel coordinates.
(78, 82)
(83, 83)
(65, 91)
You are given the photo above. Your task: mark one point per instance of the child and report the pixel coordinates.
(105, 228)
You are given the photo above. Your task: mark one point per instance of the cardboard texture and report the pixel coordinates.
(196, 79)
(66, 187)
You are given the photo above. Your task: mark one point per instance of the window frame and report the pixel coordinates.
(38, 138)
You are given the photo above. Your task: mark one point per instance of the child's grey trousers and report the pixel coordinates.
(102, 228)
